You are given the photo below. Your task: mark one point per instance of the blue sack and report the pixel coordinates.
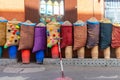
(105, 35)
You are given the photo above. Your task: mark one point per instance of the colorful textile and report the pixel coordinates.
(12, 33)
(93, 33)
(66, 34)
(53, 32)
(3, 24)
(26, 36)
(105, 35)
(80, 35)
(115, 36)
(39, 38)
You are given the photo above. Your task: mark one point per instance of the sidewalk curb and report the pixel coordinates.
(113, 62)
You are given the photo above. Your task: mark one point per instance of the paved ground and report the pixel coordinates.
(50, 72)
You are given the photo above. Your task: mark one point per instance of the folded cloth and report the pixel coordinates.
(26, 36)
(105, 35)
(80, 35)
(93, 33)
(115, 36)
(53, 32)
(3, 24)
(39, 39)
(66, 34)
(12, 33)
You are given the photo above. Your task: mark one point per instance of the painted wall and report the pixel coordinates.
(32, 10)
(12, 9)
(85, 9)
(70, 10)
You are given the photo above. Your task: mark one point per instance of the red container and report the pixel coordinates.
(55, 51)
(26, 56)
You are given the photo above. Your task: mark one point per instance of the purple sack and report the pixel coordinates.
(39, 39)
(93, 34)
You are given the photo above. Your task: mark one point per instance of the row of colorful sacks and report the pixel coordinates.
(27, 35)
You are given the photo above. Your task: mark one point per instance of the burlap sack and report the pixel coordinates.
(26, 36)
(105, 36)
(115, 36)
(53, 31)
(93, 33)
(3, 24)
(80, 35)
(12, 33)
(105, 33)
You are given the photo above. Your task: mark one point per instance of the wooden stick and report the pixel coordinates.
(106, 53)
(94, 52)
(81, 52)
(117, 52)
(68, 52)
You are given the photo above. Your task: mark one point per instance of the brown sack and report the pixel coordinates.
(2, 33)
(80, 37)
(26, 37)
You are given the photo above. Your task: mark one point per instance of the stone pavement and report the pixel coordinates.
(35, 71)
(11, 70)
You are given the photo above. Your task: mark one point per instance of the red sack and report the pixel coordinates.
(115, 36)
(66, 34)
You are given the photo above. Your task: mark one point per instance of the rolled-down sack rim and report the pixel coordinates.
(90, 22)
(3, 19)
(79, 23)
(67, 23)
(14, 21)
(105, 20)
(116, 24)
(28, 23)
(40, 25)
(51, 23)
